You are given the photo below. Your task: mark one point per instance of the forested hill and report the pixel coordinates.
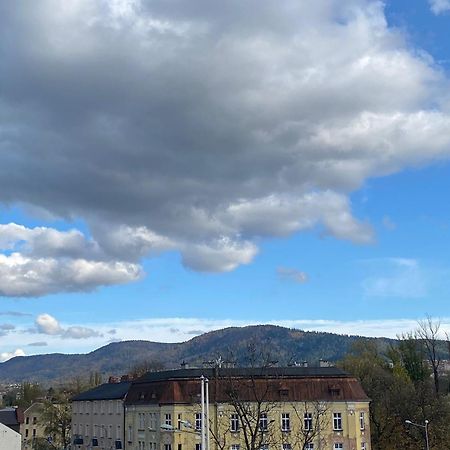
(282, 344)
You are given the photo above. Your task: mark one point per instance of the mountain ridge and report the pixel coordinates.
(117, 358)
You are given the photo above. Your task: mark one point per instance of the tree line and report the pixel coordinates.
(406, 382)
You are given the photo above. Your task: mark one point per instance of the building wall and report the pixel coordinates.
(100, 419)
(143, 426)
(9, 439)
(32, 426)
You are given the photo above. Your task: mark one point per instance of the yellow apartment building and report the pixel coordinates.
(282, 408)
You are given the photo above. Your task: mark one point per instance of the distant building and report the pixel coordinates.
(32, 427)
(98, 417)
(9, 439)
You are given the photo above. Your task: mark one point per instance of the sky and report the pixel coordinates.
(168, 168)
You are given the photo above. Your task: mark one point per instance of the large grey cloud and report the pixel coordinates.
(202, 126)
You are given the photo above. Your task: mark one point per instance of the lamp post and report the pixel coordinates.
(204, 431)
(409, 422)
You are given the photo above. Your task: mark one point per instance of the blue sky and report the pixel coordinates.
(216, 167)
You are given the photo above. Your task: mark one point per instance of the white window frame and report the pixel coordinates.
(337, 421)
(307, 421)
(338, 446)
(309, 446)
(263, 422)
(285, 422)
(235, 447)
(234, 423)
(362, 421)
(168, 419)
(198, 421)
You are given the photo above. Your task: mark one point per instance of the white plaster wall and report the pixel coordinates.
(9, 439)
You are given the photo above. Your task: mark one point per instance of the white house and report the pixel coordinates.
(9, 439)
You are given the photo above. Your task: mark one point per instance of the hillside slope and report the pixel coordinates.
(283, 344)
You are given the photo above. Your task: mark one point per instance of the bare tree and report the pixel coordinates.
(248, 401)
(251, 405)
(312, 418)
(428, 333)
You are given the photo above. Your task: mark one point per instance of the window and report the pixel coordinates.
(34, 432)
(168, 419)
(179, 421)
(363, 446)
(235, 447)
(263, 422)
(309, 446)
(287, 447)
(102, 406)
(130, 433)
(307, 421)
(27, 420)
(337, 423)
(198, 421)
(86, 430)
(141, 445)
(118, 432)
(198, 446)
(141, 417)
(338, 445)
(110, 407)
(264, 447)
(118, 409)
(26, 432)
(167, 446)
(180, 447)
(285, 422)
(362, 424)
(152, 421)
(94, 407)
(34, 420)
(110, 431)
(234, 423)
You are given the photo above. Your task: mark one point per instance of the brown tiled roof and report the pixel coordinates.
(280, 384)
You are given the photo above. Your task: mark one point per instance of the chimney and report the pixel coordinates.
(184, 364)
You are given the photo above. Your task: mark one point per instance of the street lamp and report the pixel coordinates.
(409, 422)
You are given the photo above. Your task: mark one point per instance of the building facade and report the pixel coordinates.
(291, 408)
(98, 417)
(32, 427)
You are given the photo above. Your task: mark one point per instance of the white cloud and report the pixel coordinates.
(439, 6)
(47, 324)
(292, 274)
(203, 128)
(396, 278)
(46, 261)
(8, 355)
